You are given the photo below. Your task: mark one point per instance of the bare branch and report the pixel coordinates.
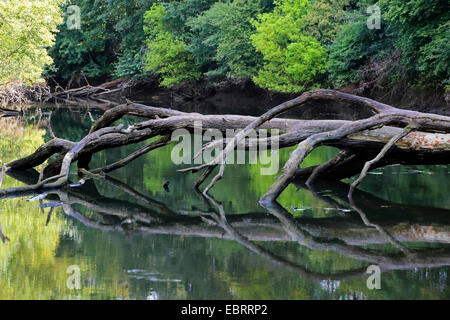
(380, 155)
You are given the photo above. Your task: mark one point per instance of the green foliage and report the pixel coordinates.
(168, 56)
(221, 39)
(351, 50)
(294, 60)
(179, 12)
(284, 45)
(325, 19)
(26, 29)
(435, 56)
(423, 35)
(110, 42)
(417, 31)
(132, 48)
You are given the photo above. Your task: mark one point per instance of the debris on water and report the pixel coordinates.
(152, 276)
(127, 221)
(417, 172)
(325, 191)
(38, 197)
(412, 172)
(303, 208)
(50, 205)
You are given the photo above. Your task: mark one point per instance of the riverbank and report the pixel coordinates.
(222, 98)
(255, 100)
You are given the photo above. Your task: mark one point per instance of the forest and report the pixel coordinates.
(282, 46)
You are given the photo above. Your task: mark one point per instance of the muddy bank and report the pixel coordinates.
(247, 99)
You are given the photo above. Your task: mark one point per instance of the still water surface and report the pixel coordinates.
(132, 239)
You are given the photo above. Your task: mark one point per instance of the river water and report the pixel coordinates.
(131, 238)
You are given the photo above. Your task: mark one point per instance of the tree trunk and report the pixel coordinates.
(390, 136)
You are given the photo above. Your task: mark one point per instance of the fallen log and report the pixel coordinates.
(93, 92)
(389, 136)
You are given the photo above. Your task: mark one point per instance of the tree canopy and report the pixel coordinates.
(26, 29)
(283, 45)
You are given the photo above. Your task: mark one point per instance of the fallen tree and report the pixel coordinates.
(389, 136)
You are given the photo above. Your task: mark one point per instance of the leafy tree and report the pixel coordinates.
(423, 36)
(168, 55)
(294, 60)
(179, 12)
(26, 29)
(354, 46)
(132, 48)
(110, 42)
(434, 59)
(325, 18)
(221, 39)
(417, 31)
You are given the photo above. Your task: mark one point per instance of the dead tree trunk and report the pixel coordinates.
(389, 136)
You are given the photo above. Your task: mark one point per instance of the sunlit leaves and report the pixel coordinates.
(294, 60)
(168, 56)
(26, 31)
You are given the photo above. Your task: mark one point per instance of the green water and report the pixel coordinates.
(132, 239)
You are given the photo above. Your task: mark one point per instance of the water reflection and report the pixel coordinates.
(357, 233)
(134, 240)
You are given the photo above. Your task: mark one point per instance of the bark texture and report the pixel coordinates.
(389, 136)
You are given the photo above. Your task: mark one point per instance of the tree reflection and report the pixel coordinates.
(353, 234)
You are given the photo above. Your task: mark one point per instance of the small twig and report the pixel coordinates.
(2, 174)
(49, 126)
(49, 215)
(85, 79)
(91, 117)
(202, 178)
(2, 236)
(165, 140)
(41, 174)
(41, 202)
